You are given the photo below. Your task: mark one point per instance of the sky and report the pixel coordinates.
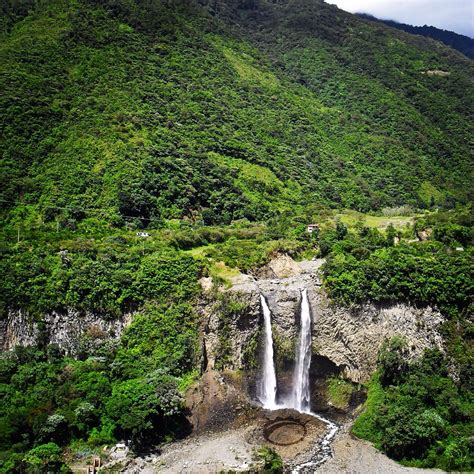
(453, 15)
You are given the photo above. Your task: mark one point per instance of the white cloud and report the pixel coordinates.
(454, 15)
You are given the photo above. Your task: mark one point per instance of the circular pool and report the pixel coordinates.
(284, 432)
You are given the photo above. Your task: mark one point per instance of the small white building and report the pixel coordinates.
(143, 234)
(313, 228)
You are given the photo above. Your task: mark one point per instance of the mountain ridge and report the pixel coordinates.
(142, 110)
(462, 43)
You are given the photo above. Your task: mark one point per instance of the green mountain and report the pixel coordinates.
(462, 43)
(153, 110)
(224, 128)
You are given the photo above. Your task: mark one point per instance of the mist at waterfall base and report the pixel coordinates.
(299, 399)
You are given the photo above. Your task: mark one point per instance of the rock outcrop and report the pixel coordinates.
(349, 338)
(226, 337)
(67, 330)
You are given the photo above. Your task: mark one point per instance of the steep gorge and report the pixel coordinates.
(347, 338)
(345, 344)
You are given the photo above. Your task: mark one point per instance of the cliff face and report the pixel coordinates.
(345, 341)
(68, 330)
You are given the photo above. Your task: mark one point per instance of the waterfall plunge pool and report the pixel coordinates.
(288, 429)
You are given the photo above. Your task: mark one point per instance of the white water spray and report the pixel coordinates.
(300, 397)
(301, 394)
(268, 386)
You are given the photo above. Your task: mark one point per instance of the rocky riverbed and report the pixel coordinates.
(234, 450)
(289, 433)
(355, 456)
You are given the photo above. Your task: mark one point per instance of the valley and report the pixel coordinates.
(235, 236)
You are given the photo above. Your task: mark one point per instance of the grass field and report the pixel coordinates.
(350, 218)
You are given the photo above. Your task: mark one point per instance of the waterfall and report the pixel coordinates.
(267, 386)
(301, 394)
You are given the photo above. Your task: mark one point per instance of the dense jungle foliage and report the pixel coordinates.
(146, 111)
(107, 393)
(419, 413)
(462, 43)
(128, 389)
(131, 390)
(222, 129)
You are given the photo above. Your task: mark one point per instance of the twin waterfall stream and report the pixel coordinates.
(299, 399)
(268, 384)
(300, 396)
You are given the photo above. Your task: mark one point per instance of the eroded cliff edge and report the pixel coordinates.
(348, 338)
(345, 340)
(72, 331)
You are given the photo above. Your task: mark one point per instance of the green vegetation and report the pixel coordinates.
(462, 43)
(339, 392)
(132, 389)
(229, 307)
(109, 277)
(127, 391)
(45, 458)
(366, 265)
(250, 358)
(284, 349)
(419, 413)
(416, 413)
(134, 113)
(421, 274)
(270, 459)
(366, 424)
(222, 131)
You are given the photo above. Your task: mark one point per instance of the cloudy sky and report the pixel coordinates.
(454, 15)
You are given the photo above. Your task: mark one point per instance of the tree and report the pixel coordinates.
(409, 435)
(55, 429)
(145, 408)
(390, 234)
(393, 361)
(45, 458)
(341, 230)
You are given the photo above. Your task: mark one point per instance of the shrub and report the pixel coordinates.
(270, 459)
(46, 458)
(54, 429)
(393, 361)
(339, 392)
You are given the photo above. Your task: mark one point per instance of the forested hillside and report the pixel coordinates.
(462, 43)
(220, 130)
(155, 111)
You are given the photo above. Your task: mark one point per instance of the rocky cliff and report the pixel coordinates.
(69, 330)
(345, 340)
